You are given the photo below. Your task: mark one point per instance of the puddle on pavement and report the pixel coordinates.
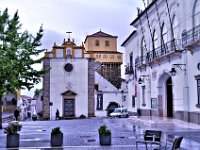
(91, 140)
(85, 136)
(120, 137)
(31, 140)
(41, 130)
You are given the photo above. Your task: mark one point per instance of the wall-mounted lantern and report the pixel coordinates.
(141, 79)
(173, 71)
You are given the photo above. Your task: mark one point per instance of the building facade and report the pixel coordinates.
(162, 58)
(69, 85)
(83, 80)
(109, 91)
(104, 49)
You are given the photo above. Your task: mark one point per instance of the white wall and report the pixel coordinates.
(184, 84)
(79, 84)
(110, 94)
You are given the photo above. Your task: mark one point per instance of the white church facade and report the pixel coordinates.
(81, 80)
(69, 85)
(164, 54)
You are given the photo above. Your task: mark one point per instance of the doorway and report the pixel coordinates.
(69, 108)
(111, 107)
(169, 97)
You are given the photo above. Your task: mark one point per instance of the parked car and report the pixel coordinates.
(119, 112)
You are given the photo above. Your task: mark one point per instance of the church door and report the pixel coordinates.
(69, 107)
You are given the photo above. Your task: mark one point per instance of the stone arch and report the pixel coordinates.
(162, 99)
(111, 106)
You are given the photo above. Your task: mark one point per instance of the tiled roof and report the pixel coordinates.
(100, 34)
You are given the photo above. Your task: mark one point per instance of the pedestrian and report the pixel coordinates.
(16, 114)
(57, 114)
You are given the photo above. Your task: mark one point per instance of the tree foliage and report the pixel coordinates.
(19, 51)
(37, 92)
(17, 55)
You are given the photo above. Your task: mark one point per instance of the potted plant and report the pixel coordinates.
(104, 135)
(12, 139)
(56, 137)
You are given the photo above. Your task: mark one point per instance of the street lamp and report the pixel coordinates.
(173, 71)
(141, 79)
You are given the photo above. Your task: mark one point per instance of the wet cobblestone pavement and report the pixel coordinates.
(83, 134)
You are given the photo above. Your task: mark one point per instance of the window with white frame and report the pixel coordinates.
(175, 27)
(155, 40)
(143, 96)
(96, 42)
(107, 43)
(164, 34)
(198, 90)
(196, 16)
(143, 47)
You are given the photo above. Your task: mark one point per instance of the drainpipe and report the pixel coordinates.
(186, 87)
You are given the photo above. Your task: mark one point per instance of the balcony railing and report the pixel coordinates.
(160, 52)
(191, 37)
(129, 70)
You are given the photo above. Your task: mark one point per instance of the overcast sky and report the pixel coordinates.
(81, 17)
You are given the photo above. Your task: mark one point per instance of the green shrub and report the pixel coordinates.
(56, 130)
(13, 128)
(103, 130)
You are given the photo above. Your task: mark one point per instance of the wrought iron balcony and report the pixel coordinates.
(159, 53)
(191, 38)
(129, 70)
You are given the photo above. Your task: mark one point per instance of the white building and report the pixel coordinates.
(83, 81)
(164, 53)
(108, 97)
(69, 85)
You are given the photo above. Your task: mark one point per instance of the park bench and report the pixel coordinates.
(150, 137)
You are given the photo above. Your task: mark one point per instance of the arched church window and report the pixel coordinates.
(69, 53)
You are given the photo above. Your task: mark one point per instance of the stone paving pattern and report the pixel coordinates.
(83, 133)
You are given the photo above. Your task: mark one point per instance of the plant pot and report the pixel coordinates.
(12, 140)
(57, 139)
(105, 139)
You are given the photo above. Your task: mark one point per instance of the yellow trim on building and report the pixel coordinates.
(82, 52)
(54, 52)
(64, 52)
(46, 54)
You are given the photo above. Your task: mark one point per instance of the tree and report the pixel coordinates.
(37, 92)
(18, 54)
